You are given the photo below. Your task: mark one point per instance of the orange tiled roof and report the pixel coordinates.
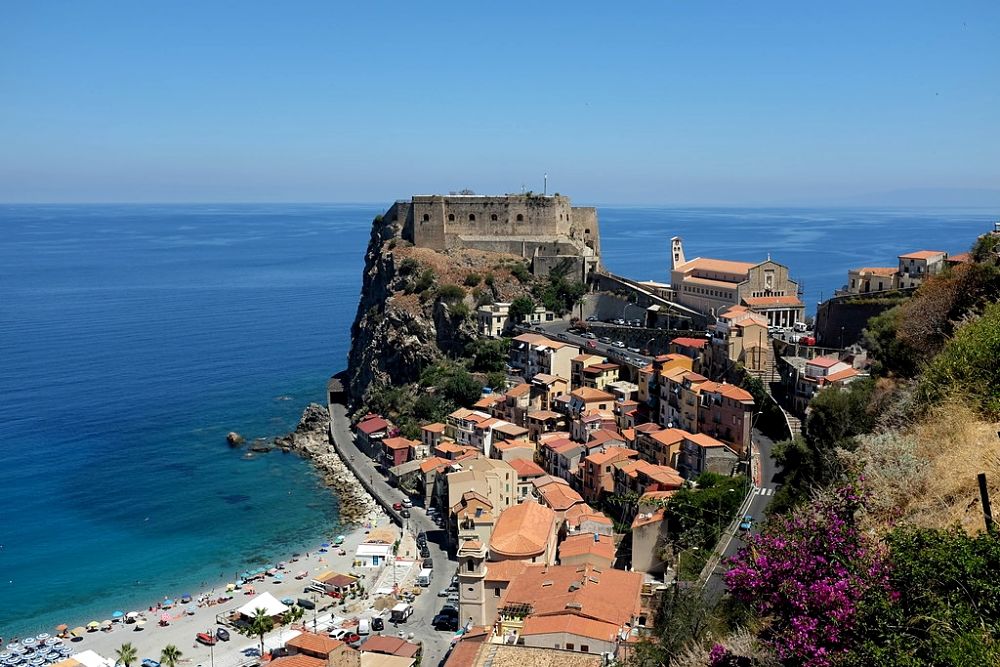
(772, 301)
(581, 512)
(887, 271)
(314, 643)
(591, 394)
(717, 265)
(690, 342)
(433, 463)
(642, 519)
(823, 362)
(399, 443)
(703, 440)
(520, 390)
(842, 375)
(585, 544)
(504, 570)
(525, 468)
(922, 254)
(559, 497)
(607, 595)
(610, 453)
(669, 436)
(522, 531)
(390, 646)
(569, 624)
(298, 660)
(436, 427)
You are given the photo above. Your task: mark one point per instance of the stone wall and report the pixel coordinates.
(846, 317)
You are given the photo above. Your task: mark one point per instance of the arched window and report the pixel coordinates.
(520, 218)
(472, 217)
(586, 231)
(493, 217)
(426, 217)
(451, 217)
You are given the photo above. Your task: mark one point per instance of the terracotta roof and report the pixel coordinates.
(772, 301)
(569, 624)
(390, 646)
(510, 429)
(728, 390)
(543, 414)
(372, 425)
(690, 342)
(606, 595)
(878, 270)
(504, 570)
(648, 427)
(610, 453)
(559, 497)
(642, 519)
(581, 512)
(335, 578)
(298, 660)
(520, 390)
(703, 440)
(522, 531)
(923, 254)
(433, 463)
(399, 443)
(545, 378)
(525, 468)
(585, 544)
(719, 265)
(628, 434)
(960, 258)
(602, 436)
(436, 427)
(842, 375)
(590, 394)
(587, 357)
(504, 445)
(314, 643)
(724, 284)
(669, 436)
(823, 362)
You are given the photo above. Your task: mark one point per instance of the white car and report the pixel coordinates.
(618, 343)
(407, 503)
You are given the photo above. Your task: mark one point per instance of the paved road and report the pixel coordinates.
(559, 330)
(435, 643)
(764, 489)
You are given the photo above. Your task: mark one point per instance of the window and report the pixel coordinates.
(520, 218)
(426, 217)
(451, 217)
(470, 565)
(586, 231)
(570, 646)
(472, 217)
(584, 648)
(496, 592)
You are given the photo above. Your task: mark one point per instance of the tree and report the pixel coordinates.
(259, 626)
(125, 654)
(294, 613)
(488, 354)
(170, 656)
(520, 308)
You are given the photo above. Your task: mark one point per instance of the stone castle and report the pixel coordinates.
(545, 229)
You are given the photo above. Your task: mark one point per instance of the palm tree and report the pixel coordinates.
(259, 626)
(170, 656)
(126, 654)
(295, 613)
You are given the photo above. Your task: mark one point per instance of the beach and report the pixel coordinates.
(183, 626)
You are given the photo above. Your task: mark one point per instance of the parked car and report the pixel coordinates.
(222, 634)
(397, 506)
(205, 638)
(407, 503)
(405, 513)
(591, 344)
(428, 563)
(378, 624)
(149, 662)
(807, 340)
(589, 335)
(619, 343)
(421, 538)
(634, 349)
(746, 523)
(592, 318)
(425, 552)
(446, 620)
(339, 633)
(604, 339)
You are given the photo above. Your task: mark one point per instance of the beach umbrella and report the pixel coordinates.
(167, 602)
(132, 615)
(107, 623)
(325, 545)
(42, 636)
(62, 627)
(117, 614)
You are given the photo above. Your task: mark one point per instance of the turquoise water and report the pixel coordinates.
(133, 338)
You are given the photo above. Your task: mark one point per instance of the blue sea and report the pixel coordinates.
(134, 337)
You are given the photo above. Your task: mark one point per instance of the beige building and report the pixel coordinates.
(531, 354)
(914, 267)
(710, 286)
(493, 319)
(872, 279)
(740, 337)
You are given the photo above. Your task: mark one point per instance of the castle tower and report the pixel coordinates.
(471, 583)
(676, 252)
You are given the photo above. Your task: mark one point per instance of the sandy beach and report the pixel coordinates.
(181, 631)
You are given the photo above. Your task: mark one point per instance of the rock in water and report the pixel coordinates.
(234, 439)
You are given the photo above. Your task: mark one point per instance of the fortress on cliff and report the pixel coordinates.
(544, 229)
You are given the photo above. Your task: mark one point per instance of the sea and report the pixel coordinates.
(133, 338)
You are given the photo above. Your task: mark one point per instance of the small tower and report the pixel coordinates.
(676, 252)
(471, 582)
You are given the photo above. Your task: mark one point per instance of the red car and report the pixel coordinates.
(807, 340)
(205, 638)
(591, 344)
(397, 506)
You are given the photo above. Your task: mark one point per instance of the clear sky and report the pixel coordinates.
(675, 101)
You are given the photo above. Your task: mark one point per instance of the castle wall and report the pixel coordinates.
(585, 227)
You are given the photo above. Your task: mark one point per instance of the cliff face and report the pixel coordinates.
(406, 320)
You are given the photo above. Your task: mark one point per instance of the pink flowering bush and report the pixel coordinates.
(808, 574)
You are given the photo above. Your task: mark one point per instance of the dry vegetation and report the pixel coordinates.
(925, 475)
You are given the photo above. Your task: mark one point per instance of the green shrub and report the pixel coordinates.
(425, 281)
(489, 279)
(460, 310)
(472, 279)
(408, 266)
(520, 308)
(450, 293)
(521, 272)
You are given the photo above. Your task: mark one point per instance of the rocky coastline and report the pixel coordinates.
(311, 440)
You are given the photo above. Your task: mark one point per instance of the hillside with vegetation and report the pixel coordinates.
(876, 551)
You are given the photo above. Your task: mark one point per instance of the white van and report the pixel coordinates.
(425, 576)
(364, 627)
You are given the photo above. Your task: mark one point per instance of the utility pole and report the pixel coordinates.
(984, 496)
(545, 184)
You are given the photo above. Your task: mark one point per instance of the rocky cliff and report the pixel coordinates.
(418, 305)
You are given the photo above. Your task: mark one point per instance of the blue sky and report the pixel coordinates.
(677, 101)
